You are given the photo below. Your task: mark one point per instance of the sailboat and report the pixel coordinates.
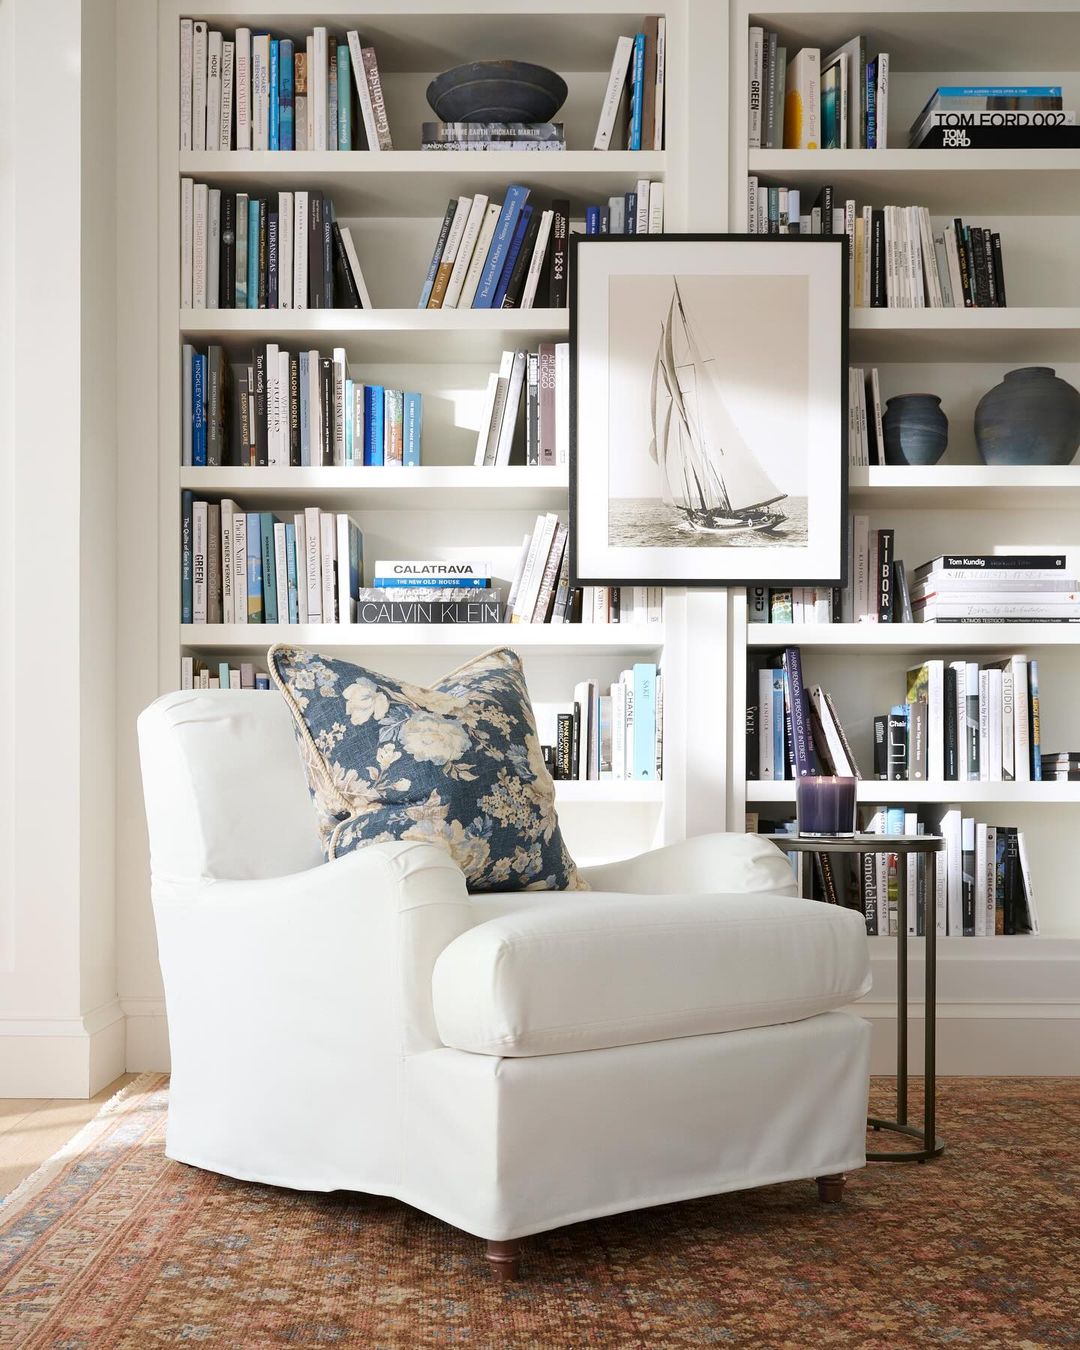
(711, 476)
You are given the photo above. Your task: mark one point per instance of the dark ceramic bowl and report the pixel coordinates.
(497, 91)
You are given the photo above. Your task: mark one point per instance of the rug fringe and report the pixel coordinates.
(76, 1143)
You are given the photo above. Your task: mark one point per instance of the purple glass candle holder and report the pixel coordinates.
(825, 805)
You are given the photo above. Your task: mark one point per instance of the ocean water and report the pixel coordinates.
(645, 522)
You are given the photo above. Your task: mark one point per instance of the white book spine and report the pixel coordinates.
(309, 101)
(239, 533)
(327, 559)
(318, 90)
(213, 248)
(242, 65)
(198, 562)
(465, 249)
(562, 403)
(228, 64)
(344, 596)
(281, 572)
(752, 204)
(315, 421)
(525, 600)
(313, 568)
(656, 208)
(661, 76)
(1021, 729)
(757, 49)
(883, 101)
(198, 84)
(201, 196)
(285, 250)
(363, 91)
(260, 91)
(479, 257)
(214, 43)
(641, 220)
(620, 65)
(228, 613)
(187, 355)
(185, 83)
(187, 227)
(935, 721)
(484, 428)
(536, 262)
(341, 372)
(301, 567)
(300, 250)
(519, 571)
(861, 603)
(1025, 875)
(1008, 734)
(994, 725)
(453, 244)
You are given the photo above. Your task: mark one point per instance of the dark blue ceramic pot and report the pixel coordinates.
(1031, 417)
(916, 429)
(497, 91)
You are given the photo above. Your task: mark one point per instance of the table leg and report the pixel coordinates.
(930, 1041)
(901, 989)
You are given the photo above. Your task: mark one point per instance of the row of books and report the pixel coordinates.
(198, 674)
(637, 212)
(978, 885)
(286, 408)
(996, 588)
(794, 604)
(254, 91)
(632, 113)
(529, 387)
(613, 733)
(492, 136)
(836, 102)
(897, 257)
(791, 729)
(989, 116)
(284, 251)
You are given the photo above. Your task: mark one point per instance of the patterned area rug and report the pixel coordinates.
(110, 1245)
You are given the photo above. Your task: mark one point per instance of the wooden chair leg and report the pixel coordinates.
(504, 1258)
(831, 1189)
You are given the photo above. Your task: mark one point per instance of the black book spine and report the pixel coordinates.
(982, 281)
(575, 742)
(239, 431)
(563, 742)
(991, 279)
(1012, 883)
(868, 878)
(881, 747)
(828, 880)
(879, 298)
(227, 287)
(260, 407)
(328, 255)
(326, 407)
(263, 254)
(885, 575)
(294, 409)
(898, 747)
(516, 284)
(951, 730)
(577, 602)
(346, 290)
(999, 269)
(272, 260)
(560, 255)
(962, 257)
(315, 253)
(967, 891)
(972, 274)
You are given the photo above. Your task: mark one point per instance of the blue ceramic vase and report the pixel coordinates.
(497, 91)
(916, 429)
(1031, 417)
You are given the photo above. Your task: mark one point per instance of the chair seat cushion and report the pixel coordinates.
(607, 970)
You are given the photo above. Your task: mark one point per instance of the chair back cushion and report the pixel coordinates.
(458, 764)
(224, 787)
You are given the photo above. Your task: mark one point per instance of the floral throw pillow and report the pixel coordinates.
(458, 765)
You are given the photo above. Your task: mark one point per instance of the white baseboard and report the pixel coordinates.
(147, 1035)
(73, 1057)
(1030, 1040)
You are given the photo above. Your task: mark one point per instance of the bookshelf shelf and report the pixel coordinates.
(1006, 182)
(914, 637)
(608, 791)
(418, 182)
(1026, 334)
(385, 334)
(875, 791)
(423, 488)
(965, 487)
(585, 638)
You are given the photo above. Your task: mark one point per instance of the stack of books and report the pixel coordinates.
(492, 136)
(285, 251)
(529, 387)
(286, 408)
(430, 591)
(992, 116)
(632, 114)
(1062, 766)
(197, 674)
(612, 733)
(836, 102)
(791, 729)
(962, 722)
(258, 92)
(995, 588)
(241, 566)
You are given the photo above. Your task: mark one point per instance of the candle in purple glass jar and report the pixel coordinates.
(825, 805)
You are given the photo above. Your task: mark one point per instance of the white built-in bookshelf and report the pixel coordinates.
(959, 505)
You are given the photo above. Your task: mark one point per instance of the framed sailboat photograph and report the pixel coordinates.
(708, 409)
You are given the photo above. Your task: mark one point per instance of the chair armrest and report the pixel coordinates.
(707, 863)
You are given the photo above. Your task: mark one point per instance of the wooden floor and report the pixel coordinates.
(33, 1128)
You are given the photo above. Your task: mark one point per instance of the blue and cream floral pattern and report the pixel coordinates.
(457, 765)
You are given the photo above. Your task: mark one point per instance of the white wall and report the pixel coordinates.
(61, 1031)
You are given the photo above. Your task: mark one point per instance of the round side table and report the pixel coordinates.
(901, 846)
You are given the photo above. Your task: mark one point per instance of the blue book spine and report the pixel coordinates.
(275, 97)
(373, 423)
(779, 748)
(253, 254)
(187, 511)
(644, 750)
(305, 428)
(223, 674)
(344, 99)
(458, 583)
(637, 90)
(592, 220)
(286, 67)
(800, 728)
(630, 213)
(1033, 721)
(347, 413)
(500, 244)
(290, 568)
(262, 681)
(412, 417)
(198, 410)
(871, 104)
(269, 567)
(512, 256)
(254, 569)
(998, 91)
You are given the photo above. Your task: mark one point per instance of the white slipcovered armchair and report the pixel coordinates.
(508, 1063)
